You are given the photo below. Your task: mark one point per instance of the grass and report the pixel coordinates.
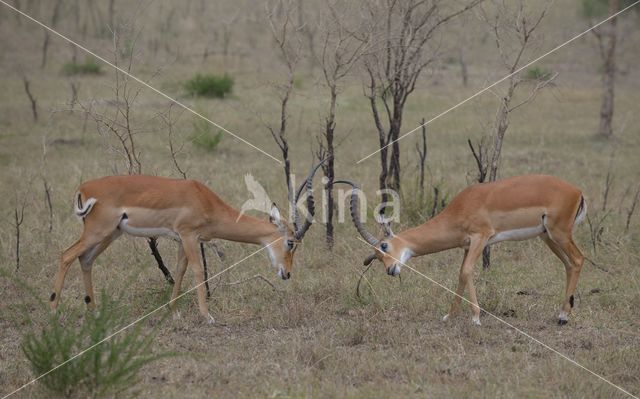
(204, 137)
(314, 337)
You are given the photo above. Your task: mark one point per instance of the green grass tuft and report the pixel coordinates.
(538, 73)
(89, 67)
(209, 85)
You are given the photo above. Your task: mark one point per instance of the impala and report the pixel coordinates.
(513, 209)
(185, 210)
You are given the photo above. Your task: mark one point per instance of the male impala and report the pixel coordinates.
(184, 210)
(513, 209)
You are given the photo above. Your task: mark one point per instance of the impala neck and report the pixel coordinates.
(247, 229)
(436, 235)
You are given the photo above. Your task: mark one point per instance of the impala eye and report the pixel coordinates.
(384, 246)
(290, 244)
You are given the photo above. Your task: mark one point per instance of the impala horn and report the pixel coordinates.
(355, 215)
(300, 230)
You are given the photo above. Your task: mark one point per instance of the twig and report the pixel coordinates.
(360, 280)
(206, 271)
(153, 245)
(47, 198)
(32, 99)
(18, 218)
(632, 209)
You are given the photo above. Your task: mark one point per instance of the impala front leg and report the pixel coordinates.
(455, 306)
(465, 279)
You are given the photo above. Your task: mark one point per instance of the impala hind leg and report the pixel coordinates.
(573, 273)
(564, 247)
(68, 256)
(181, 270)
(86, 264)
(191, 249)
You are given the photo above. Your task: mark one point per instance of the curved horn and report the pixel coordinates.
(355, 216)
(299, 231)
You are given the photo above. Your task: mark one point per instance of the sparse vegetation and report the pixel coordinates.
(209, 85)
(313, 337)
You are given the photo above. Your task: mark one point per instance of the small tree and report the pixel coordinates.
(405, 31)
(514, 31)
(608, 38)
(341, 48)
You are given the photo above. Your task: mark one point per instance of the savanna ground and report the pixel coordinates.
(314, 337)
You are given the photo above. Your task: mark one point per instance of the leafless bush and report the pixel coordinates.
(118, 125)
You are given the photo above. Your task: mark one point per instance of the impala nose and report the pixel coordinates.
(393, 270)
(284, 275)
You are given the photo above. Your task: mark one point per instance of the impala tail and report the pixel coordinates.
(82, 210)
(582, 212)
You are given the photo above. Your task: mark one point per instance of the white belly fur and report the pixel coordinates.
(517, 234)
(147, 231)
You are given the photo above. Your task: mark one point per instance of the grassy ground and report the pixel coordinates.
(314, 337)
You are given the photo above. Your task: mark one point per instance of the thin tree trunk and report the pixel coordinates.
(463, 66)
(608, 78)
(329, 169)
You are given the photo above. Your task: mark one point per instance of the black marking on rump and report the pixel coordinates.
(571, 301)
(124, 217)
(79, 201)
(87, 299)
(544, 225)
(53, 297)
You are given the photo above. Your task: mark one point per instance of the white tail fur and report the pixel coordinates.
(83, 210)
(582, 212)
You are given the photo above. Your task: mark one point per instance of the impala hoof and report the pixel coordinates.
(476, 321)
(210, 319)
(563, 318)
(446, 317)
(176, 315)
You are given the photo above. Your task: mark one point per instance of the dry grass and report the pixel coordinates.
(316, 338)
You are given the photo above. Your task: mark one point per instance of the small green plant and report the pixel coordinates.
(89, 67)
(538, 73)
(108, 368)
(209, 85)
(204, 137)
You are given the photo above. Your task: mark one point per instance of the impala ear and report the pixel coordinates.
(274, 215)
(369, 259)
